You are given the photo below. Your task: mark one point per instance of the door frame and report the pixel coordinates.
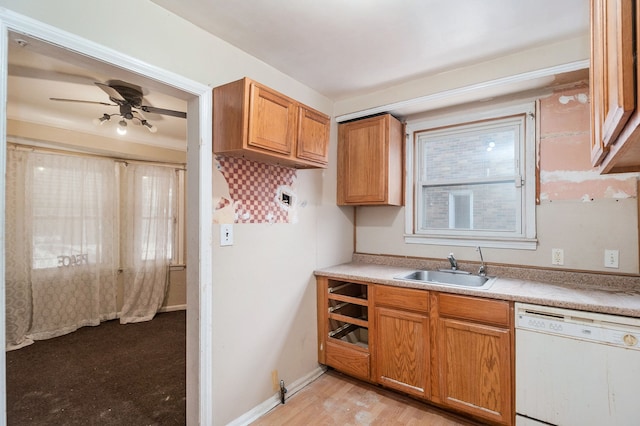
(199, 372)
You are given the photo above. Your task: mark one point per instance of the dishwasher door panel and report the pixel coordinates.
(525, 421)
(566, 381)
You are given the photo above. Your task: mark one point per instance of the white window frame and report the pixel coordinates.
(525, 237)
(181, 226)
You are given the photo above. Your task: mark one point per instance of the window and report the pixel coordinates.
(73, 209)
(156, 215)
(153, 211)
(461, 210)
(474, 179)
(71, 212)
(150, 212)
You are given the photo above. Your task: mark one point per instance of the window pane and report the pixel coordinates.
(489, 207)
(153, 195)
(461, 211)
(465, 155)
(68, 215)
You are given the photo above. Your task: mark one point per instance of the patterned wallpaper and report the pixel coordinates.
(253, 192)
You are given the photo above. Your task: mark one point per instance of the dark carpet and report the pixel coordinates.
(112, 374)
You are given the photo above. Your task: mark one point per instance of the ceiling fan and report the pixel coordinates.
(128, 97)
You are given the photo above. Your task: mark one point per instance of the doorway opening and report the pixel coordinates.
(199, 159)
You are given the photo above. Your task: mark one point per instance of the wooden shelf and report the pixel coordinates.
(351, 320)
(343, 326)
(349, 299)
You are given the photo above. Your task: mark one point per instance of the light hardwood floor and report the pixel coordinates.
(335, 399)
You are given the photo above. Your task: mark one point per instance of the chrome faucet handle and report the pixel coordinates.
(453, 262)
(483, 269)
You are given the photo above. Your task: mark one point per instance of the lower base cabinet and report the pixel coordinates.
(450, 350)
(474, 356)
(401, 325)
(343, 326)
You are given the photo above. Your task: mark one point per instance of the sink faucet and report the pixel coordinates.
(483, 269)
(453, 262)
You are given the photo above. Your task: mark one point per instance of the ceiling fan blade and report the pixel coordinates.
(138, 114)
(110, 91)
(81, 101)
(38, 74)
(154, 110)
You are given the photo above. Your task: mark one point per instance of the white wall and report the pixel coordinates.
(264, 317)
(264, 293)
(580, 211)
(477, 75)
(582, 230)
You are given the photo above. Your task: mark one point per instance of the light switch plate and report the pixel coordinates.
(226, 234)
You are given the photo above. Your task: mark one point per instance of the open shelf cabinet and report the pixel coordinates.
(343, 326)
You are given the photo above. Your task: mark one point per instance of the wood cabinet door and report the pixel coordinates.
(402, 351)
(475, 369)
(362, 161)
(272, 120)
(349, 360)
(313, 136)
(612, 72)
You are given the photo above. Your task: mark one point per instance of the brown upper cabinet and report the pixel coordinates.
(253, 121)
(615, 113)
(371, 162)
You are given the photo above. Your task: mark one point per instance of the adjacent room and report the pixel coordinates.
(95, 275)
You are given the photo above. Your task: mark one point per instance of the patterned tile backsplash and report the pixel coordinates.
(257, 192)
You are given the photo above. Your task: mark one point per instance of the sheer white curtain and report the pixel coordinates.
(61, 244)
(17, 253)
(148, 229)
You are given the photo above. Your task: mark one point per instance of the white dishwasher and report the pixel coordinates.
(576, 368)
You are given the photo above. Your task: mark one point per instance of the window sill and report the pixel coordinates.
(518, 244)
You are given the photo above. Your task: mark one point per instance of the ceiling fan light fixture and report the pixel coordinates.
(122, 128)
(100, 121)
(128, 97)
(149, 126)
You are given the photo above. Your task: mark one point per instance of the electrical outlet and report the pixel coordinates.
(557, 256)
(611, 258)
(226, 234)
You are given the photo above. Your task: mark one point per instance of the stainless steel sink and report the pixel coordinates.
(452, 278)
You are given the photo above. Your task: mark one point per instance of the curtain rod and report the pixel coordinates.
(19, 146)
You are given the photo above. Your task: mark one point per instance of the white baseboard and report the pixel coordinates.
(173, 308)
(262, 409)
(162, 309)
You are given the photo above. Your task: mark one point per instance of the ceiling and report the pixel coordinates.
(340, 48)
(39, 71)
(343, 48)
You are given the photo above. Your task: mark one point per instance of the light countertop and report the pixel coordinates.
(573, 291)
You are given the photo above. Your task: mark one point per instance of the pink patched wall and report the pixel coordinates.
(252, 192)
(564, 152)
